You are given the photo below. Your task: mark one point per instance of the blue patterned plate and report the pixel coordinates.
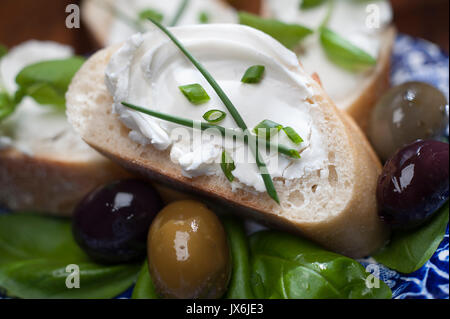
(415, 60)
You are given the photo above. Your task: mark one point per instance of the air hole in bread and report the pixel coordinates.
(331, 157)
(145, 154)
(333, 178)
(124, 131)
(101, 99)
(314, 188)
(296, 198)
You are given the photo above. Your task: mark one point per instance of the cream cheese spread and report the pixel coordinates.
(360, 22)
(38, 129)
(216, 11)
(148, 70)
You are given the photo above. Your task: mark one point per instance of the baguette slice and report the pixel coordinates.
(339, 211)
(44, 165)
(100, 21)
(359, 103)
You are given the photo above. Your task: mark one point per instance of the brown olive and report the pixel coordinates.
(188, 252)
(406, 113)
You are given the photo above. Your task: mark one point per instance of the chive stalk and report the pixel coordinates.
(179, 13)
(268, 182)
(223, 131)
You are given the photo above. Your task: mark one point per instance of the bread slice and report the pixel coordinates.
(99, 20)
(44, 165)
(339, 212)
(360, 102)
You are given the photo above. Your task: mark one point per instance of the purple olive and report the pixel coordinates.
(111, 223)
(414, 184)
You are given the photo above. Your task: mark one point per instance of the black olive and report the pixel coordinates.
(414, 184)
(112, 222)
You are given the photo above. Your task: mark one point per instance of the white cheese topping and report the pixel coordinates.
(38, 129)
(217, 11)
(360, 22)
(148, 70)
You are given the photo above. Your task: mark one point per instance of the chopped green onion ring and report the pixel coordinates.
(214, 116)
(293, 135)
(253, 74)
(266, 128)
(195, 93)
(227, 166)
(150, 13)
(203, 17)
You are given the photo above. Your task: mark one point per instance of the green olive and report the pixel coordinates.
(407, 113)
(188, 252)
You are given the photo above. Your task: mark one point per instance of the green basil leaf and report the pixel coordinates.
(409, 250)
(144, 288)
(7, 105)
(290, 35)
(203, 17)
(293, 135)
(34, 254)
(289, 267)
(227, 166)
(47, 82)
(267, 128)
(253, 74)
(195, 93)
(310, 4)
(3, 51)
(240, 285)
(150, 13)
(344, 53)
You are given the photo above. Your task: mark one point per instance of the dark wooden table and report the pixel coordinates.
(21, 20)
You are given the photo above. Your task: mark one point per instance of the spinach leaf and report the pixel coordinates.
(286, 266)
(145, 289)
(47, 82)
(344, 53)
(240, 283)
(289, 35)
(410, 250)
(34, 254)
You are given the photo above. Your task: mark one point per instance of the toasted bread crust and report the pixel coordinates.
(356, 231)
(46, 185)
(361, 107)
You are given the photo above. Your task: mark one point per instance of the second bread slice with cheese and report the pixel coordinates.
(334, 205)
(355, 92)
